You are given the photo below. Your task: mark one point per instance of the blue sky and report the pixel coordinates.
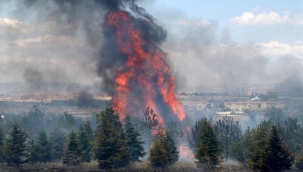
(224, 11)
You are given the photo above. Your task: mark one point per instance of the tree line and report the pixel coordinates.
(113, 144)
(273, 145)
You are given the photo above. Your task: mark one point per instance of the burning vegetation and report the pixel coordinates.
(136, 76)
(142, 77)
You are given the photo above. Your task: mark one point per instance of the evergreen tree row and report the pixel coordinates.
(262, 149)
(116, 147)
(114, 144)
(17, 149)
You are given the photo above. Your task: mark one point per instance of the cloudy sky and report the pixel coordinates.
(209, 43)
(276, 25)
(264, 37)
(258, 21)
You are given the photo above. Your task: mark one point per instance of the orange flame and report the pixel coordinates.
(185, 152)
(144, 70)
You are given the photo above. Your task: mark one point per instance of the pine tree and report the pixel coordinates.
(85, 137)
(71, 154)
(34, 121)
(33, 152)
(110, 148)
(195, 131)
(1, 145)
(133, 141)
(258, 154)
(279, 158)
(15, 146)
(170, 146)
(227, 131)
(275, 115)
(292, 135)
(158, 155)
(57, 141)
(207, 146)
(239, 151)
(299, 161)
(43, 147)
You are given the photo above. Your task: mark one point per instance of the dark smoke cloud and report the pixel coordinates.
(59, 40)
(115, 4)
(49, 81)
(291, 86)
(82, 22)
(110, 59)
(84, 99)
(34, 79)
(289, 70)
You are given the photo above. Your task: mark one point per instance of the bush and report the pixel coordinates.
(299, 161)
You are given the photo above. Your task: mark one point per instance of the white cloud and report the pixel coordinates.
(63, 39)
(264, 18)
(24, 42)
(14, 25)
(267, 18)
(201, 22)
(275, 48)
(11, 22)
(297, 20)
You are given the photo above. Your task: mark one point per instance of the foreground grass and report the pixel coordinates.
(136, 167)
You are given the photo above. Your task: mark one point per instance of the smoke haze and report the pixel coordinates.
(58, 41)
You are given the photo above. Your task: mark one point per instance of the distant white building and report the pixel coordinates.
(255, 105)
(196, 104)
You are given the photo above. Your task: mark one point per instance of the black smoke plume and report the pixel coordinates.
(88, 16)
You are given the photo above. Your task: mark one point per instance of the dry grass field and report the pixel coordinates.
(136, 167)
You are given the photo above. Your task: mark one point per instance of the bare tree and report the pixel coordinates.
(227, 131)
